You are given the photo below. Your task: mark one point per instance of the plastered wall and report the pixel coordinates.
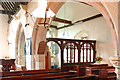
(98, 30)
(4, 48)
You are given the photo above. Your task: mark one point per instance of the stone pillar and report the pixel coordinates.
(33, 62)
(28, 62)
(116, 60)
(40, 61)
(116, 63)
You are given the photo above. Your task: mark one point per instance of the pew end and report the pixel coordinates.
(103, 75)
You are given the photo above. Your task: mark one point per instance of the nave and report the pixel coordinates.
(94, 24)
(72, 67)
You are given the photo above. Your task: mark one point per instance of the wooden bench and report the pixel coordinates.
(103, 75)
(95, 70)
(82, 67)
(29, 72)
(45, 76)
(91, 77)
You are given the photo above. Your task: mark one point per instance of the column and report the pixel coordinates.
(116, 59)
(116, 63)
(28, 62)
(40, 61)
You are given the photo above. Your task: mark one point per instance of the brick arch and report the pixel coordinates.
(55, 6)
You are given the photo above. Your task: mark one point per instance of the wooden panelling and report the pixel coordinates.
(71, 50)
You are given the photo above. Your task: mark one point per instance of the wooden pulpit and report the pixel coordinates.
(7, 63)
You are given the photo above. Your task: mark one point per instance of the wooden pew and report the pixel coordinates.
(81, 68)
(45, 76)
(29, 72)
(103, 75)
(90, 77)
(95, 70)
(68, 67)
(75, 67)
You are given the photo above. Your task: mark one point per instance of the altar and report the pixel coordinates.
(7, 63)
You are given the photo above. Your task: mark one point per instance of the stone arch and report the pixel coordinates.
(19, 45)
(37, 31)
(100, 7)
(17, 40)
(55, 6)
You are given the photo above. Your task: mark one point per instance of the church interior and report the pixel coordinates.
(59, 40)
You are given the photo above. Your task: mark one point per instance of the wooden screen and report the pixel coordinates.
(75, 51)
(82, 54)
(87, 52)
(70, 53)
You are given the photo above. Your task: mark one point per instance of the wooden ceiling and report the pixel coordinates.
(10, 8)
(73, 13)
(70, 22)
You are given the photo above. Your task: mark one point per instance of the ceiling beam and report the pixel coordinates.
(93, 17)
(12, 5)
(81, 21)
(53, 26)
(7, 12)
(8, 5)
(24, 3)
(62, 20)
(4, 6)
(84, 3)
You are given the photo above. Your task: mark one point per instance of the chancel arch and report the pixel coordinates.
(97, 5)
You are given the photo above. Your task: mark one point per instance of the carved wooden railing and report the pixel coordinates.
(75, 51)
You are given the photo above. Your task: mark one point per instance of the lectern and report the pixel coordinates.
(7, 63)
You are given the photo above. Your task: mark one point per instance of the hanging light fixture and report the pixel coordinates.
(42, 11)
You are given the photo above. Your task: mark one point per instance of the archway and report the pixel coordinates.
(54, 54)
(97, 28)
(20, 46)
(55, 6)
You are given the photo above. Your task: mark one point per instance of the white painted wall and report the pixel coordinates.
(98, 30)
(4, 47)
